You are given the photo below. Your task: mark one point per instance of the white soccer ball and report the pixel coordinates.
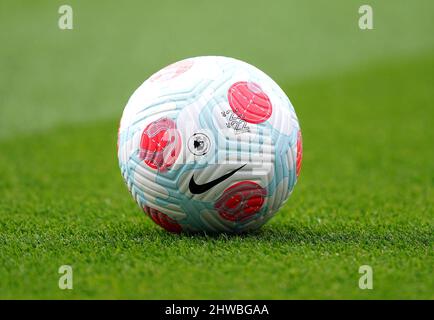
(210, 144)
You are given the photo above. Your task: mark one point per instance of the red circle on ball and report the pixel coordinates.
(163, 220)
(160, 144)
(299, 153)
(241, 201)
(249, 102)
(172, 71)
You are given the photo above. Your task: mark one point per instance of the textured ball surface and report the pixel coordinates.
(210, 144)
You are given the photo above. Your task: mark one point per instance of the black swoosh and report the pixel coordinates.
(201, 188)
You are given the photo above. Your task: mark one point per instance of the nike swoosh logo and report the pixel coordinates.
(201, 188)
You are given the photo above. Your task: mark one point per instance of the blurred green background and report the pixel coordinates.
(365, 102)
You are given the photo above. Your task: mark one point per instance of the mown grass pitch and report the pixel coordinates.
(365, 195)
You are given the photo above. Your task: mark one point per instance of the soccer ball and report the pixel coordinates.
(210, 144)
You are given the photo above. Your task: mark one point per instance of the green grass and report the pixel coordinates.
(366, 191)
